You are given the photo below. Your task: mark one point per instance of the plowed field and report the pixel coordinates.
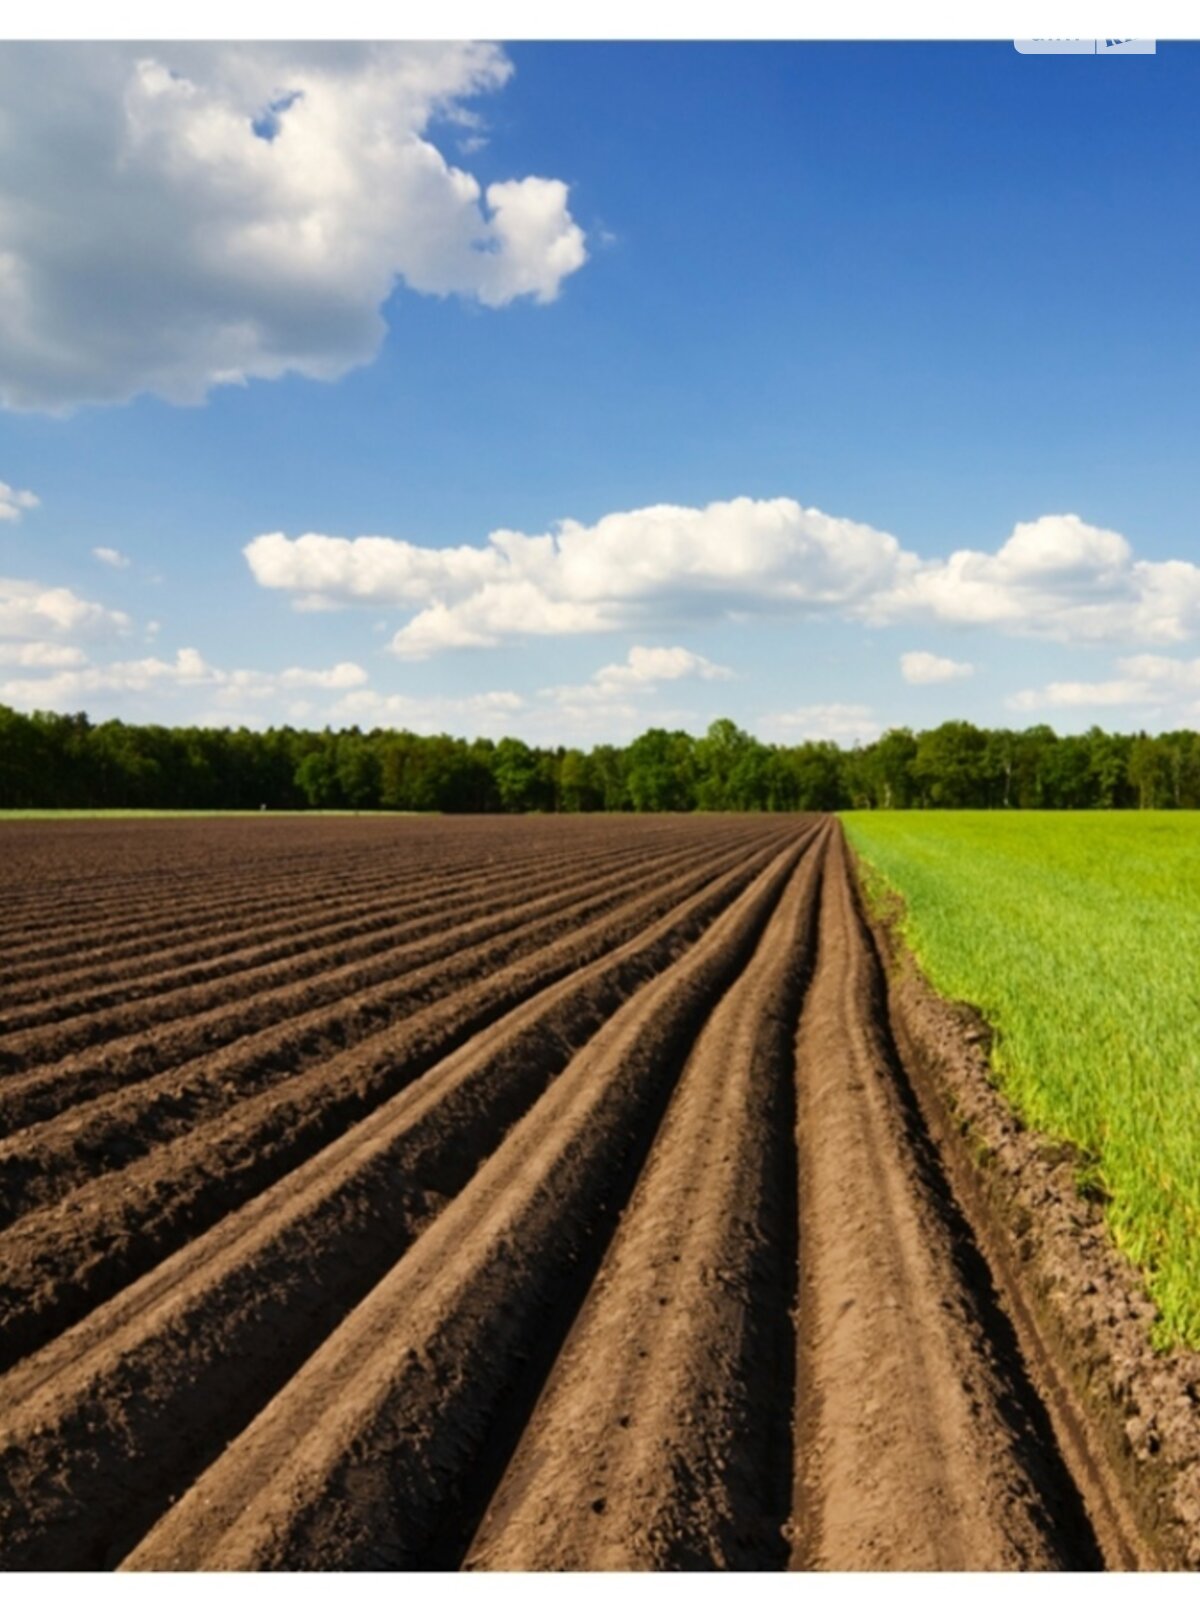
(498, 1193)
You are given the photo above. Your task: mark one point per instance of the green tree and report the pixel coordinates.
(357, 768)
(1150, 772)
(717, 756)
(888, 768)
(814, 776)
(519, 781)
(578, 786)
(950, 765)
(660, 771)
(23, 763)
(608, 765)
(317, 780)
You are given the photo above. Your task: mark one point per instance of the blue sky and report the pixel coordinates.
(829, 387)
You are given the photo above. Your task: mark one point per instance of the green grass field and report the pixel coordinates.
(1077, 936)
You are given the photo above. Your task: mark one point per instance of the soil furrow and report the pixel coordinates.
(261, 936)
(920, 1440)
(660, 1442)
(142, 920)
(363, 1460)
(42, 1163)
(298, 1021)
(57, 1263)
(366, 955)
(155, 915)
(105, 1426)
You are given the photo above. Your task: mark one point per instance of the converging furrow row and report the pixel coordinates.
(565, 1208)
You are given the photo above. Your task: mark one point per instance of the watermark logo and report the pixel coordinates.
(1085, 47)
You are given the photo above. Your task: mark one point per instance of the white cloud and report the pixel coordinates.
(107, 556)
(40, 653)
(1116, 692)
(596, 717)
(68, 690)
(176, 216)
(535, 243)
(547, 719)
(31, 610)
(1165, 674)
(1161, 682)
(659, 563)
(76, 687)
(920, 666)
(15, 502)
(844, 724)
(1056, 578)
(644, 667)
(491, 711)
(346, 675)
(647, 664)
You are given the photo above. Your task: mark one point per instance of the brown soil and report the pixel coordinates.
(529, 1194)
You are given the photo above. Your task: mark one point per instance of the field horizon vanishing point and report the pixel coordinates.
(599, 800)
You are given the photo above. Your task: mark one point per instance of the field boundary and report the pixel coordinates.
(1128, 1416)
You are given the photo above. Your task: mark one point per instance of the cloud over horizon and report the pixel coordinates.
(922, 666)
(644, 667)
(1057, 578)
(231, 688)
(834, 721)
(30, 610)
(1163, 684)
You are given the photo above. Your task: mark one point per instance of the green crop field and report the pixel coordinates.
(1077, 936)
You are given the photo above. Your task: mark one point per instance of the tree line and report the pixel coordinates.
(48, 760)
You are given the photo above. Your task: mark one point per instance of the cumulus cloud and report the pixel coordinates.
(659, 563)
(1116, 692)
(1055, 578)
(15, 502)
(920, 666)
(1155, 681)
(1058, 578)
(70, 688)
(77, 686)
(30, 610)
(346, 675)
(647, 664)
(843, 724)
(39, 653)
(177, 216)
(108, 557)
(645, 667)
